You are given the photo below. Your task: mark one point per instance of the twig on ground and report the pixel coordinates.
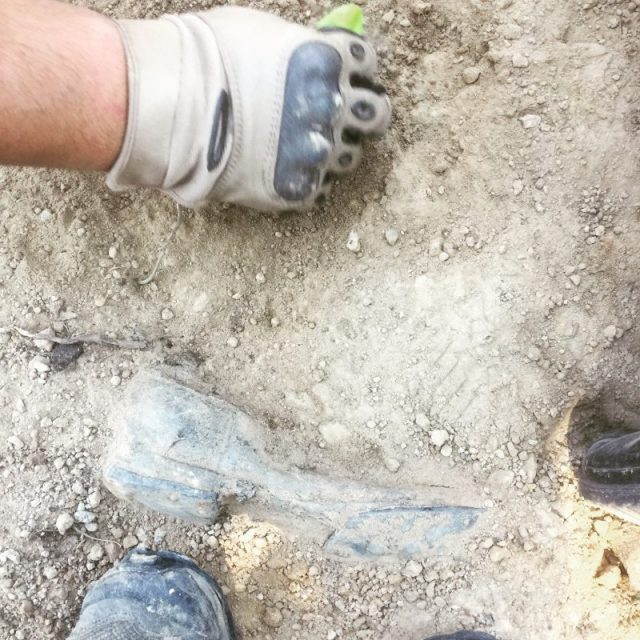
(163, 248)
(86, 535)
(89, 338)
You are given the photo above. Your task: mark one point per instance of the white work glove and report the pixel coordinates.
(235, 105)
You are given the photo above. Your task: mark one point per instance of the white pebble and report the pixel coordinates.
(439, 437)
(233, 342)
(391, 236)
(470, 75)
(610, 332)
(519, 61)
(412, 569)
(64, 522)
(167, 314)
(353, 241)
(531, 121)
(446, 451)
(95, 553)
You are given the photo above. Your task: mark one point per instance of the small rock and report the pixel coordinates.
(15, 442)
(422, 420)
(518, 187)
(63, 355)
(64, 522)
(412, 569)
(534, 353)
(129, 541)
(610, 577)
(531, 121)
(498, 554)
(159, 535)
(446, 451)
(167, 314)
(115, 381)
(99, 301)
(45, 215)
(391, 236)
(610, 332)
(353, 241)
(50, 573)
(438, 437)
(95, 553)
(519, 61)
(113, 252)
(500, 479)
(510, 31)
(392, 464)
(629, 554)
(94, 499)
(233, 342)
(530, 468)
(84, 516)
(39, 364)
(272, 617)
(260, 277)
(45, 345)
(470, 75)
(334, 432)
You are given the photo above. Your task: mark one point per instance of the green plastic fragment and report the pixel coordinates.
(348, 16)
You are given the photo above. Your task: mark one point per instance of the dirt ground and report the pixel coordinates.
(510, 178)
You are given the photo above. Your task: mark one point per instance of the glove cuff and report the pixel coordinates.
(180, 125)
(153, 61)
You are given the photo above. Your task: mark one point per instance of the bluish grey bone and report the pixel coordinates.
(189, 455)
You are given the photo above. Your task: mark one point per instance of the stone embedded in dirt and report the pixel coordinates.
(470, 75)
(610, 332)
(39, 364)
(530, 121)
(129, 541)
(233, 342)
(422, 420)
(517, 186)
(412, 569)
(94, 499)
(446, 451)
(498, 554)
(272, 617)
(334, 432)
(167, 314)
(63, 355)
(519, 61)
(353, 241)
(530, 468)
(95, 553)
(83, 515)
(64, 522)
(609, 577)
(392, 464)
(500, 479)
(439, 437)
(50, 573)
(391, 236)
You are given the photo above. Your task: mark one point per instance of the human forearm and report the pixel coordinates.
(63, 86)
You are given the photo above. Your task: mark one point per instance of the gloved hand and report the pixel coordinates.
(240, 106)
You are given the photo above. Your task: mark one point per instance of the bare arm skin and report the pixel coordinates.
(63, 86)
